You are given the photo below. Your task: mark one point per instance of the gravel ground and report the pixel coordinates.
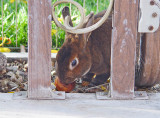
(14, 78)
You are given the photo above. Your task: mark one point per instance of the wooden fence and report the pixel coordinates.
(123, 58)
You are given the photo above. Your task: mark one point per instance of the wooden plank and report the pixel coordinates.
(138, 95)
(39, 49)
(14, 55)
(11, 57)
(56, 95)
(153, 43)
(123, 53)
(149, 73)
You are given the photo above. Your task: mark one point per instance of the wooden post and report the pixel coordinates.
(124, 49)
(39, 49)
(149, 73)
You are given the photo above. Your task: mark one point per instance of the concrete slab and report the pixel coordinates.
(79, 106)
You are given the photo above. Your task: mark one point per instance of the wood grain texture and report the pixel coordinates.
(123, 51)
(149, 71)
(39, 49)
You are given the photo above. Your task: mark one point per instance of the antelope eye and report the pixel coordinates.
(74, 62)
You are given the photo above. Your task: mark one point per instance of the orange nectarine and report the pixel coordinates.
(63, 87)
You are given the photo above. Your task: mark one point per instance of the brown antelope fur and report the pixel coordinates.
(92, 50)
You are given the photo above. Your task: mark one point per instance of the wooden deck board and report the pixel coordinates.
(23, 55)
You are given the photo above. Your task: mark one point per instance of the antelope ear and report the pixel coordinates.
(65, 13)
(89, 23)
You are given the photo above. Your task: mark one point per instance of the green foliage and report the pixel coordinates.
(9, 20)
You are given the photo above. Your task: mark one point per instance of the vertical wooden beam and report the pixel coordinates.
(124, 49)
(149, 72)
(39, 49)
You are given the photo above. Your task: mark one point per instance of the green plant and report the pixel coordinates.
(9, 20)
